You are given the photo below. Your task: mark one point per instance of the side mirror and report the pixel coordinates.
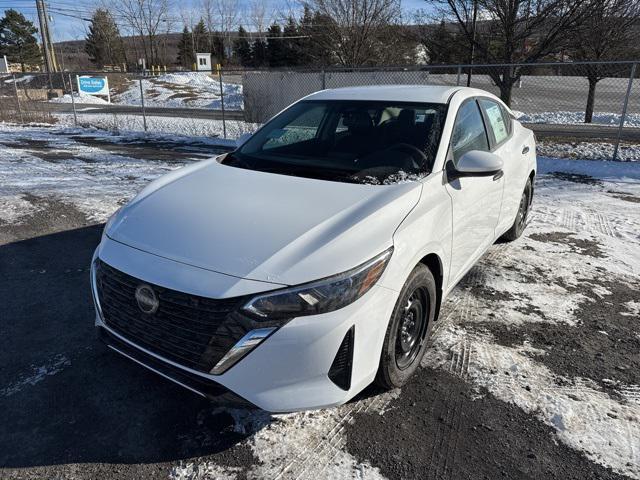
(475, 163)
(242, 139)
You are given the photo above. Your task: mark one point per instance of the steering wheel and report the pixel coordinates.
(413, 149)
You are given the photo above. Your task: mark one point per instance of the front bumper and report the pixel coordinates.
(289, 371)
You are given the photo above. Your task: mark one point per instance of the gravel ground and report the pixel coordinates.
(532, 370)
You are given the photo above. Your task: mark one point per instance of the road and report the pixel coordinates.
(525, 377)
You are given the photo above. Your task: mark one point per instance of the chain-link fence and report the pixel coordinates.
(595, 101)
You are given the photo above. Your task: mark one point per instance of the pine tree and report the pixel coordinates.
(306, 30)
(241, 48)
(18, 41)
(290, 45)
(200, 37)
(104, 44)
(186, 57)
(217, 47)
(259, 53)
(275, 48)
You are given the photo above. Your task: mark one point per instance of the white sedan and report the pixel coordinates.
(312, 261)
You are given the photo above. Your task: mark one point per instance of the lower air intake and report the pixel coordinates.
(340, 371)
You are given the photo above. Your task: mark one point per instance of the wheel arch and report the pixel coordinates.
(532, 177)
(433, 262)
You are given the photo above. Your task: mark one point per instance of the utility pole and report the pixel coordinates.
(45, 40)
(52, 52)
(473, 40)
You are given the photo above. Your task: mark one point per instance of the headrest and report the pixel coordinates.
(357, 120)
(407, 117)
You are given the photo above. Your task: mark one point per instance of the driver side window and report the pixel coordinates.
(468, 131)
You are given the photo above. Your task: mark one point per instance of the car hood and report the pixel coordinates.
(262, 226)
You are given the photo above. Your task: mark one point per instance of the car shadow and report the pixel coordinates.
(64, 398)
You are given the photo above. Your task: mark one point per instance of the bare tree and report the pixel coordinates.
(353, 29)
(221, 16)
(259, 16)
(608, 33)
(514, 31)
(442, 42)
(146, 19)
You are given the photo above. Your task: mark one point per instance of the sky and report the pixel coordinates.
(66, 26)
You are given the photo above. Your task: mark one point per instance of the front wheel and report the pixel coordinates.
(521, 218)
(406, 339)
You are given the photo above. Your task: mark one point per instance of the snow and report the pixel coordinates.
(188, 89)
(14, 207)
(80, 99)
(124, 123)
(20, 79)
(572, 118)
(613, 171)
(588, 150)
(94, 181)
(588, 420)
(37, 374)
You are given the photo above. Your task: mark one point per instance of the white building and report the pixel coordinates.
(203, 61)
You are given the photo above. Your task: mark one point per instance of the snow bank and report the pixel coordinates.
(612, 171)
(573, 118)
(588, 150)
(188, 89)
(133, 124)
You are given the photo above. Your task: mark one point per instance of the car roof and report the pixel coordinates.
(393, 93)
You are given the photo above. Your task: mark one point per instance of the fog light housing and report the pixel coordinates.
(242, 348)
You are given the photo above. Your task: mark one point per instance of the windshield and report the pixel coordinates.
(351, 141)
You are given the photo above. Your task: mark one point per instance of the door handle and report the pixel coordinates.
(525, 150)
(498, 176)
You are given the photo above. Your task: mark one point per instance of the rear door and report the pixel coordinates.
(500, 128)
(476, 200)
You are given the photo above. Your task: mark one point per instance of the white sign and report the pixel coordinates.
(93, 86)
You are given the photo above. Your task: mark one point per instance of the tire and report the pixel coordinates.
(520, 223)
(400, 356)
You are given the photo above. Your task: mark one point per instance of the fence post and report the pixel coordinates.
(324, 79)
(224, 123)
(459, 73)
(73, 102)
(623, 117)
(15, 86)
(144, 114)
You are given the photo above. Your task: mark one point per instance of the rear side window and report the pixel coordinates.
(498, 124)
(468, 131)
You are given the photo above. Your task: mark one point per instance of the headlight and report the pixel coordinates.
(321, 296)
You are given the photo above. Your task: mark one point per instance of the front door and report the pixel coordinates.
(476, 201)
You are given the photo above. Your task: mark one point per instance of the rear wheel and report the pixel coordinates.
(520, 222)
(406, 338)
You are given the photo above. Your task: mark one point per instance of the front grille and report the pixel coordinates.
(190, 330)
(210, 389)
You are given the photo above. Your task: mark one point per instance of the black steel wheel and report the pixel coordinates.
(520, 223)
(412, 328)
(408, 330)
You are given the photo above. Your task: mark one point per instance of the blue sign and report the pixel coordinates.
(93, 85)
